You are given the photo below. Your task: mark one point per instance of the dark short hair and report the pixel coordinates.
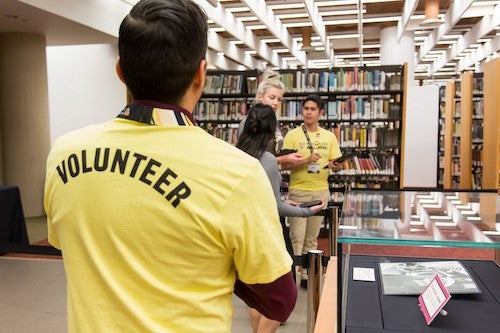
(315, 98)
(161, 44)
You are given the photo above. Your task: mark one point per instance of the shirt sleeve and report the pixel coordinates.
(275, 300)
(270, 165)
(253, 233)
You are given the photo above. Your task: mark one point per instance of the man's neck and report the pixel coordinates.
(311, 127)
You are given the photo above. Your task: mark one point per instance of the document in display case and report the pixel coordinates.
(412, 277)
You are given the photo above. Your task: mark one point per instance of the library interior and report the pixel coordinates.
(411, 94)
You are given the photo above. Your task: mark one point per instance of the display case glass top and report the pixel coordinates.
(460, 219)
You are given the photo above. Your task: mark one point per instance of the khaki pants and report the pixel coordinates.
(304, 231)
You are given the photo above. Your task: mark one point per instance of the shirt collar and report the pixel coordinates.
(157, 113)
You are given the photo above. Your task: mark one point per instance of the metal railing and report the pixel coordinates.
(315, 262)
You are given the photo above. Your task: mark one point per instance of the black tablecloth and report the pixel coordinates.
(368, 310)
(12, 223)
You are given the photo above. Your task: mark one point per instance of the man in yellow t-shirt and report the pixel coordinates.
(309, 178)
(158, 221)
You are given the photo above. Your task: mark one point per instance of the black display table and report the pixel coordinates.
(368, 310)
(12, 223)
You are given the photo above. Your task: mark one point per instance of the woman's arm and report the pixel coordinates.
(269, 164)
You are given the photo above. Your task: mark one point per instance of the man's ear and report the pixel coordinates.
(119, 70)
(199, 77)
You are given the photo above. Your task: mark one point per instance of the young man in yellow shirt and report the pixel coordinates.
(309, 178)
(158, 221)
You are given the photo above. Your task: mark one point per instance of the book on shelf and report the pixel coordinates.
(252, 84)
(213, 84)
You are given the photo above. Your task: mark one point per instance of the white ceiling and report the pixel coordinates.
(256, 33)
(347, 32)
(17, 16)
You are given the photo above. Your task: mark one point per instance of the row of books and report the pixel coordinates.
(455, 168)
(477, 157)
(363, 204)
(370, 135)
(477, 109)
(224, 84)
(377, 183)
(353, 108)
(300, 81)
(477, 132)
(477, 85)
(458, 88)
(456, 130)
(458, 109)
(228, 133)
(367, 135)
(455, 147)
(217, 110)
(363, 108)
(355, 79)
(369, 165)
(477, 181)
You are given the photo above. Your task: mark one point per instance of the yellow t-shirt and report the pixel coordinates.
(155, 223)
(325, 144)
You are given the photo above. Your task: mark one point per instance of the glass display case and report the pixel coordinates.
(463, 219)
(428, 220)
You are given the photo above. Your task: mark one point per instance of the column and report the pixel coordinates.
(24, 117)
(395, 51)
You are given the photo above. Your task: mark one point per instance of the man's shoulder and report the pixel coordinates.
(82, 132)
(294, 130)
(324, 130)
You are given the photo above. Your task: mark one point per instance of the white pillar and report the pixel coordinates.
(394, 51)
(24, 117)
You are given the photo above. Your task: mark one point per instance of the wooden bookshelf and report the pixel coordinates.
(491, 131)
(448, 136)
(463, 138)
(466, 80)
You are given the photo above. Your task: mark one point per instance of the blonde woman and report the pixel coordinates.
(270, 92)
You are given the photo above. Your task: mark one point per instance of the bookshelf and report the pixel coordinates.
(477, 130)
(441, 136)
(364, 108)
(463, 159)
(466, 79)
(449, 124)
(491, 131)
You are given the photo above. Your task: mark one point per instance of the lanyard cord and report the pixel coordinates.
(309, 143)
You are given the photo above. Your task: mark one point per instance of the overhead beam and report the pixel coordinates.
(273, 24)
(221, 61)
(227, 21)
(482, 28)
(479, 54)
(452, 16)
(408, 10)
(231, 51)
(319, 27)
